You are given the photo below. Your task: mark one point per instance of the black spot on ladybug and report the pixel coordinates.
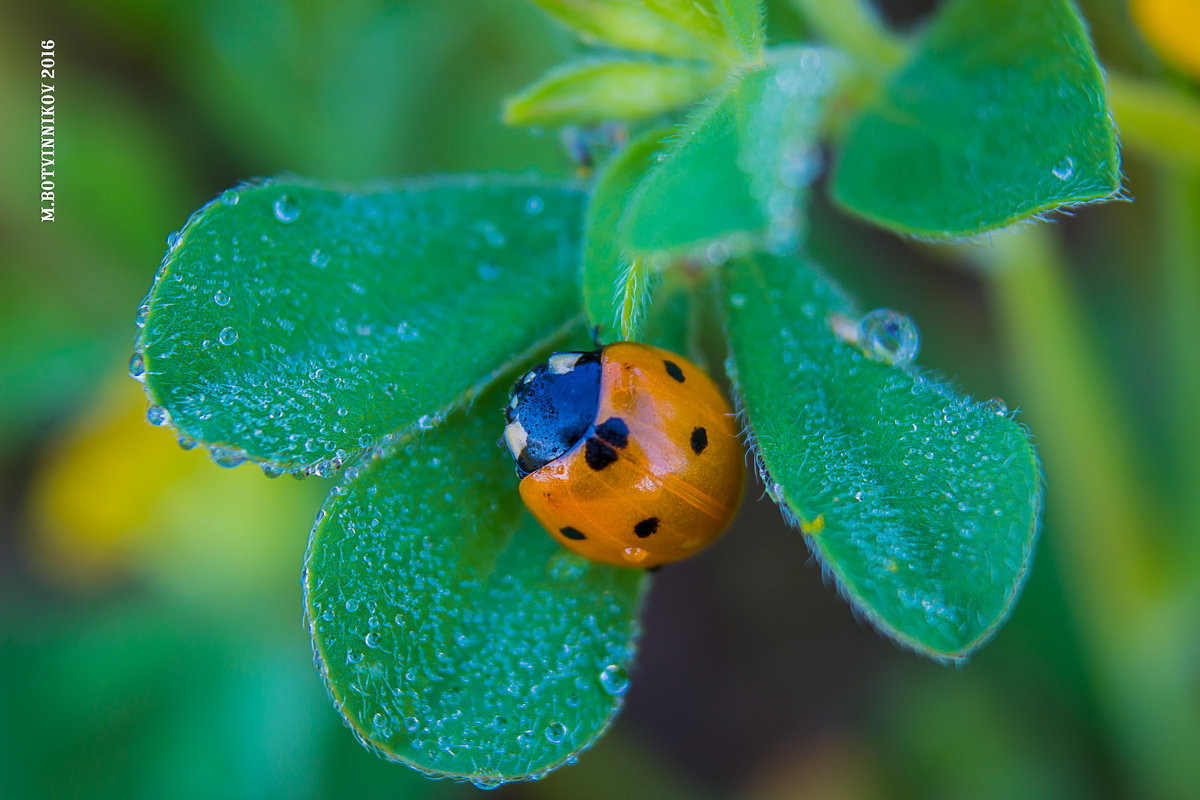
(646, 527)
(699, 440)
(571, 533)
(598, 455)
(614, 431)
(674, 371)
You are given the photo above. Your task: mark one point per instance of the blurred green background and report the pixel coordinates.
(150, 635)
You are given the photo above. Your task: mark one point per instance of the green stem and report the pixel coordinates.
(1132, 618)
(1156, 120)
(1179, 231)
(854, 26)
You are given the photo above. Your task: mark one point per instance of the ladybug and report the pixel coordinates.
(627, 455)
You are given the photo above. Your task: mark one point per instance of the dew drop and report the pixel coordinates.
(379, 721)
(227, 457)
(635, 555)
(566, 567)
(229, 197)
(614, 680)
(407, 332)
(227, 336)
(556, 732)
(889, 337)
(172, 241)
(318, 259)
(488, 271)
(534, 204)
(221, 298)
(525, 740)
(351, 604)
(998, 407)
(1064, 169)
(142, 313)
(737, 300)
(371, 639)
(286, 209)
(717, 253)
(157, 415)
(137, 367)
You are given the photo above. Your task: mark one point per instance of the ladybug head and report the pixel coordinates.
(550, 409)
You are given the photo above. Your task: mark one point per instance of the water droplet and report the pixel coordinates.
(525, 739)
(229, 197)
(142, 313)
(157, 415)
(573, 701)
(717, 253)
(566, 567)
(411, 724)
(998, 407)
(379, 721)
(737, 300)
(635, 555)
(408, 332)
(888, 336)
(614, 680)
(286, 209)
(137, 367)
(319, 259)
(221, 298)
(1064, 169)
(556, 732)
(186, 442)
(534, 204)
(227, 457)
(351, 604)
(227, 336)
(371, 639)
(488, 271)
(172, 241)
(492, 235)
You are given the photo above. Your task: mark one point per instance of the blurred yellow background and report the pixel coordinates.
(151, 643)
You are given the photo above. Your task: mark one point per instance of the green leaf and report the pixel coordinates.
(599, 90)
(743, 22)
(663, 27)
(453, 633)
(298, 324)
(741, 163)
(616, 287)
(1000, 116)
(922, 503)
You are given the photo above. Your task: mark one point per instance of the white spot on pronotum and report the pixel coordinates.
(561, 363)
(515, 437)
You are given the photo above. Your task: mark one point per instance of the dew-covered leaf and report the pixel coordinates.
(599, 90)
(741, 162)
(1000, 115)
(298, 323)
(452, 632)
(663, 27)
(616, 286)
(921, 503)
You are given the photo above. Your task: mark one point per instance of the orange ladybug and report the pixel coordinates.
(628, 455)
